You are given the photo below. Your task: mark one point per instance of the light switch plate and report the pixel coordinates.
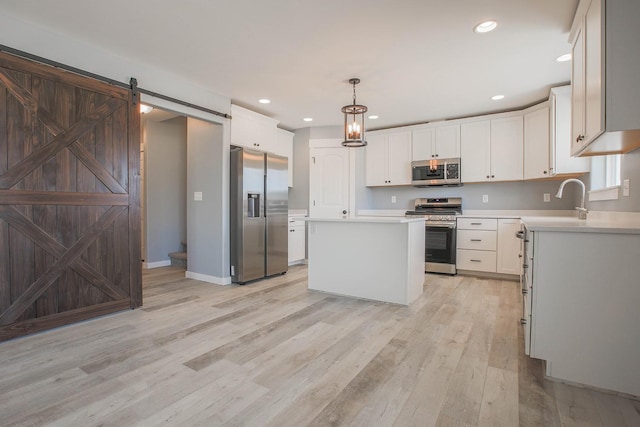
(393, 199)
(625, 188)
(485, 198)
(197, 196)
(547, 197)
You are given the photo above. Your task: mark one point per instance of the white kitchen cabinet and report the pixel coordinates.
(561, 163)
(252, 130)
(536, 143)
(488, 245)
(605, 66)
(547, 139)
(442, 142)
(388, 159)
(297, 241)
(475, 151)
(506, 149)
(587, 50)
(508, 247)
(491, 150)
(476, 244)
(583, 319)
(285, 142)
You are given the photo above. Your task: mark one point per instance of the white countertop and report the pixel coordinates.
(367, 219)
(590, 225)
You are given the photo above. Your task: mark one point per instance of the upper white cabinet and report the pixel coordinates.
(491, 150)
(475, 151)
(605, 66)
(536, 143)
(560, 160)
(547, 139)
(252, 130)
(506, 149)
(441, 142)
(388, 159)
(285, 143)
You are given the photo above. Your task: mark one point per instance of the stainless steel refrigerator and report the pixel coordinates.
(259, 200)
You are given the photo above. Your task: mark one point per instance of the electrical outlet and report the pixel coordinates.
(197, 196)
(546, 197)
(485, 198)
(393, 199)
(625, 188)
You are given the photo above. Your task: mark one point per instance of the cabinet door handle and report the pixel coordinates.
(523, 321)
(525, 265)
(476, 240)
(476, 223)
(493, 176)
(544, 172)
(475, 260)
(524, 292)
(520, 234)
(580, 138)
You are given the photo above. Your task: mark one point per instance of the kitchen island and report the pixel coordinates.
(375, 258)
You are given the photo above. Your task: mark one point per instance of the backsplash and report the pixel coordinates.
(500, 195)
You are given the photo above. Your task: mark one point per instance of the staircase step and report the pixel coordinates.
(178, 259)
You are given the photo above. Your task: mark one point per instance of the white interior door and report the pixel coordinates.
(328, 182)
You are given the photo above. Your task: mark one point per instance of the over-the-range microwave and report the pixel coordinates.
(426, 173)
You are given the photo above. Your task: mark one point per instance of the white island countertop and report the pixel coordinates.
(575, 225)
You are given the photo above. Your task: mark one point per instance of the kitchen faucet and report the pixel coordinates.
(582, 212)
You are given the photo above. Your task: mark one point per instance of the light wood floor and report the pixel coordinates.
(274, 353)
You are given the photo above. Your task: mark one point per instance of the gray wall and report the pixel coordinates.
(299, 193)
(630, 169)
(166, 184)
(207, 219)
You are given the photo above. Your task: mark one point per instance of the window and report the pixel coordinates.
(605, 177)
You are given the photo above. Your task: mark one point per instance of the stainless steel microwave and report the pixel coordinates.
(426, 173)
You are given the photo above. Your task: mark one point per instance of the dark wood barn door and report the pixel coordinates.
(69, 198)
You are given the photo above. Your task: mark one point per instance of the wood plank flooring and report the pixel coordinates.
(273, 353)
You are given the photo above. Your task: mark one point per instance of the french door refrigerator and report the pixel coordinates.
(259, 210)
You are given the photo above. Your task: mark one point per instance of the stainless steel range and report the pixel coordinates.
(440, 232)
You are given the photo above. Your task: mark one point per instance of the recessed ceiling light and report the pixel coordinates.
(564, 58)
(485, 27)
(373, 117)
(308, 119)
(264, 101)
(497, 97)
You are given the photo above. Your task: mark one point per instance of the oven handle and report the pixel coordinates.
(440, 225)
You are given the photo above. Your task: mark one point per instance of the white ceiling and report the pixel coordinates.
(419, 60)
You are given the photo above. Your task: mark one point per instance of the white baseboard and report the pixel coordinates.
(157, 264)
(207, 278)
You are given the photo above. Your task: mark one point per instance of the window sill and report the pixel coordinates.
(609, 193)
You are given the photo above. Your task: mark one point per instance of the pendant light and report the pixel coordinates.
(354, 121)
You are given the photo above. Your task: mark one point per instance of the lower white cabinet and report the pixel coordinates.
(508, 248)
(488, 245)
(476, 244)
(297, 241)
(583, 315)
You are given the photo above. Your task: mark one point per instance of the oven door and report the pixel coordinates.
(440, 247)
